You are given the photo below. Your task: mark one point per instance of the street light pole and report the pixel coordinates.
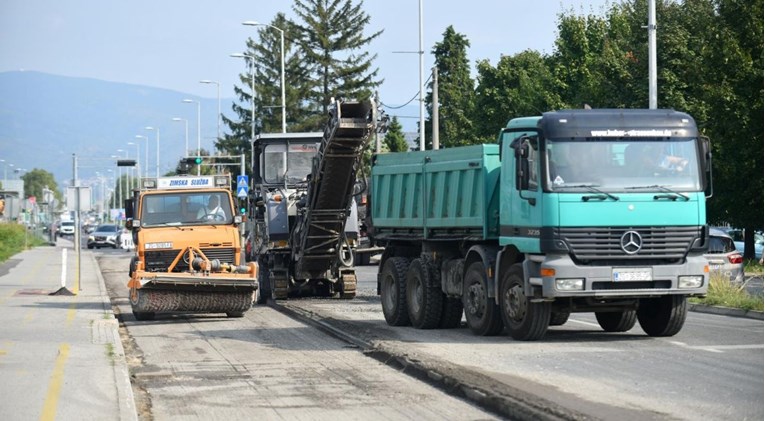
(281, 33)
(250, 60)
(157, 130)
(146, 168)
(137, 162)
(199, 131)
(217, 84)
(186, 124)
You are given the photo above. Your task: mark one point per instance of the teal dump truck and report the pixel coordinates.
(575, 211)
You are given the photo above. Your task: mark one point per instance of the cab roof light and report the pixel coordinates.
(149, 183)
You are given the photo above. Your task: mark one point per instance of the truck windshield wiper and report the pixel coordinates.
(664, 189)
(601, 194)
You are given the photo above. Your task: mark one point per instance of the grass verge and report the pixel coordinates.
(723, 293)
(14, 238)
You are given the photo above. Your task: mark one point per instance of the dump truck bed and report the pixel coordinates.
(444, 194)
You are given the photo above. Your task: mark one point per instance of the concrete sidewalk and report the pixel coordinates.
(60, 355)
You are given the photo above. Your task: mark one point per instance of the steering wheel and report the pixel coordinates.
(212, 217)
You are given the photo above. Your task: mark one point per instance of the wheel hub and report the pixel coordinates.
(515, 303)
(476, 301)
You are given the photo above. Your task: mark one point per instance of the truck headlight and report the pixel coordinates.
(690, 281)
(569, 284)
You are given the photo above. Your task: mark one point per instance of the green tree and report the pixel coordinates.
(456, 92)
(333, 40)
(37, 180)
(394, 139)
(734, 92)
(520, 85)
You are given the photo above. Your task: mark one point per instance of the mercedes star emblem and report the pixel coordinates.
(631, 242)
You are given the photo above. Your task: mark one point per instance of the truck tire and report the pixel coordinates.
(361, 259)
(424, 302)
(524, 320)
(663, 316)
(619, 321)
(265, 289)
(451, 315)
(393, 291)
(481, 312)
(559, 318)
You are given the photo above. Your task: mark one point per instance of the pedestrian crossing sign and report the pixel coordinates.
(242, 186)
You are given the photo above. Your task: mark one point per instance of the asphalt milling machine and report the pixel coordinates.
(304, 224)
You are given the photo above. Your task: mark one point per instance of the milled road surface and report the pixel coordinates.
(263, 366)
(713, 369)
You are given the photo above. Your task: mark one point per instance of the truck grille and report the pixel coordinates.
(604, 243)
(159, 261)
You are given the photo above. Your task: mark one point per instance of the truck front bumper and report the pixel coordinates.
(558, 276)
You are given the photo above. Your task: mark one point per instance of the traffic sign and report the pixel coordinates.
(242, 186)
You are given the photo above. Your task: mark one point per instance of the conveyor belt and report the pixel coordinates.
(330, 190)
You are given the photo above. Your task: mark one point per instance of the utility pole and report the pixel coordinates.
(436, 143)
(652, 94)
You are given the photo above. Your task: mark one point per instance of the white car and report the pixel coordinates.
(723, 257)
(66, 228)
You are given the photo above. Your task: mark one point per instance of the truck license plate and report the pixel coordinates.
(632, 274)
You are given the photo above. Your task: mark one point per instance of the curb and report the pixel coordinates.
(126, 404)
(726, 311)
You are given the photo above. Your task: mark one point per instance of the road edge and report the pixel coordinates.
(725, 311)
(127, 408)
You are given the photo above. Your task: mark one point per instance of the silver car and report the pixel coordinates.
(723, 257)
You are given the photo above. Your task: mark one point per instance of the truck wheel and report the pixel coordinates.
(451, 315)
(619, 321)
(525, 321)
(424, 302)
(133, 265)
(264, 284)
(360, 259)
(481, 312)
(559, 318)
(393, 291)
(663, 316)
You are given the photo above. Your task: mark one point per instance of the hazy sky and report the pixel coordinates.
(173, 43)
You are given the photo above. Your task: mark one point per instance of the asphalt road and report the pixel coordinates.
(280, 366)
(266, 365)
(713, 369)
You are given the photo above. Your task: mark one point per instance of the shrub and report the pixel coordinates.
(13, 239)
(723, 293)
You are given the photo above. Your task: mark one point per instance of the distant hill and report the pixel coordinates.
(44, 119)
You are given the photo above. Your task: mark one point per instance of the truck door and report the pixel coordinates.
(521, 199)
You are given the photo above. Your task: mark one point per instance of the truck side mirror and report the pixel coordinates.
(522, 166)
(522, 170)
(706, 151)
(129, 203)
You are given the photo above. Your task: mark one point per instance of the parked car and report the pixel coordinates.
(66, 228)
(105, 236)
(738, 239)
(723, 257)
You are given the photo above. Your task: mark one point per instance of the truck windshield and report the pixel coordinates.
(186, 208)
(293, 161)
(623, 165)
